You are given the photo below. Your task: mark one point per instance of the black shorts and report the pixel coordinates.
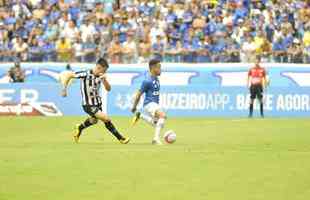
(256, 91)
(91, 110)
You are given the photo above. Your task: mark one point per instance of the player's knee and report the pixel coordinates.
(105, 119)
(162, 115)
(102, 117)
(93, 120)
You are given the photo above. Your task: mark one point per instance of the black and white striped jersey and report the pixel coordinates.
(90, 88)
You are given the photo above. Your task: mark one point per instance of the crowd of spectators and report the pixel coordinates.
(133, 31)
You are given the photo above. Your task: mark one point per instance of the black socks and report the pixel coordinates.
(113, 130)
(261, 110)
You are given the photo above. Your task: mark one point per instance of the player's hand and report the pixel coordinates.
(64, 93)
(134, 109)
(103, 76)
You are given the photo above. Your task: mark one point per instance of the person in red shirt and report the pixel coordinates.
(256, 84)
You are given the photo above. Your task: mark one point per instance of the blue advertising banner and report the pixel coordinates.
(217, 101)
(215, 90)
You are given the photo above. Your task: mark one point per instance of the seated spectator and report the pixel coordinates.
(233, 52)
(279, 50)
(5, 50)
(63, 49)
(87, 30)
(35, 52)
(129, 50)
(70, 31)
(295, 52)
(20, 48)
(49, 50)
(115, 51)
(78, 50)
(158, 48)
(17, 74)
(89, 49)
(144, 50)
(248, 50)
(255, 27)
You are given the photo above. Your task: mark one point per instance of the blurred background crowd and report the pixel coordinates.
(133, 31)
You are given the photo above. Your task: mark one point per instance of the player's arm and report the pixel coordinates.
(136, 101)
(65, 80)
(249, 79)
(105, 82)
(144, 88)
(265, 83)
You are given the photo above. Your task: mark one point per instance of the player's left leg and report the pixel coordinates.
(252, 96)
(79, 128)
(161, 116)
(110, 126)
(260, 98)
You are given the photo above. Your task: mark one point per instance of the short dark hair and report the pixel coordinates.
(103, 62)
(153, 62)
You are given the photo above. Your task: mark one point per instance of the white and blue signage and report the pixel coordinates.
(186, 89)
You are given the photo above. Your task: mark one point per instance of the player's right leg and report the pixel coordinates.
(110, 126)
(80, 127)
(136, 118)
(145, 116)
(252, 96)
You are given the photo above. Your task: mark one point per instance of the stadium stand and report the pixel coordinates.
(132, 31)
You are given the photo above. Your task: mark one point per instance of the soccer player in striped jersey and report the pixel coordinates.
(90, 81)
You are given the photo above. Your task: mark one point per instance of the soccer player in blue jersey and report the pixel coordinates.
(151, 113)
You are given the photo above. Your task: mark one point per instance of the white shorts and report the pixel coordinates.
(151, 108)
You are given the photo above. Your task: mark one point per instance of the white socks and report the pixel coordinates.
(159, 126)
(148, 119)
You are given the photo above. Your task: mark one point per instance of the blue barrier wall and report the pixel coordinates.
(187, 90)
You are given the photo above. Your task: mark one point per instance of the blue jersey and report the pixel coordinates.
(150, 86)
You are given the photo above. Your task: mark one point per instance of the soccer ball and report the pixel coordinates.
(170, 137)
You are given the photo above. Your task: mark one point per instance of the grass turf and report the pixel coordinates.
(216, 159)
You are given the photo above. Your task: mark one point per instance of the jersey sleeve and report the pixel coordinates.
(264, 73)
(250, 73)
(144, 86)
(80, 74)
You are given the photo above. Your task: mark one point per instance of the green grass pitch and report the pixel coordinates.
(213, 159)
